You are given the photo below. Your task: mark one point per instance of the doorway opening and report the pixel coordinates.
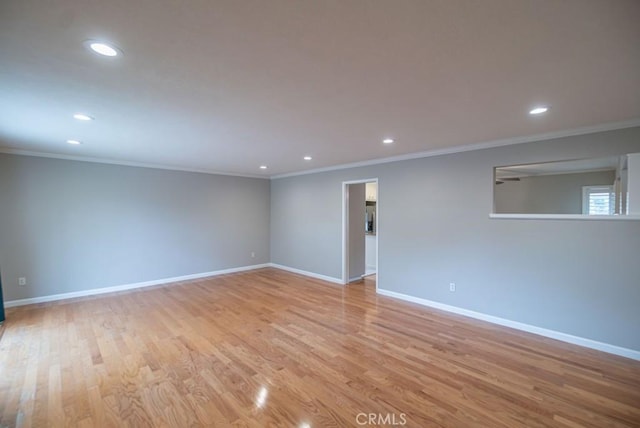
(360, 231)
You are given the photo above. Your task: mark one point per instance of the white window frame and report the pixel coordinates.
(588, 190)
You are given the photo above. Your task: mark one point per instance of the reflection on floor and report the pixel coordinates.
(369, 282)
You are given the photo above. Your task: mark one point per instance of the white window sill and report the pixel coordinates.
(563, 217)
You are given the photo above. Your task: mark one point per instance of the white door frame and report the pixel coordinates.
(345, 228)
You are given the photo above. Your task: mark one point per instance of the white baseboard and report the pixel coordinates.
(564, 337)
(96, 291)
(307, 273)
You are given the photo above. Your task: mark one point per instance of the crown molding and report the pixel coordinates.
(11, 151)
(424, 154)
(474, 146)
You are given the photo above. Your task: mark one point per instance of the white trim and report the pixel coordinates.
(428, 153)
(345, 225)
(307, 273)
(112, 289)
(563, 217)
(11, 151)
(345, 231)
(564, 337)
(475, 146)
(377, 221)
(548, 173)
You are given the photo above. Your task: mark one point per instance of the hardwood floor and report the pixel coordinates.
(270, 348)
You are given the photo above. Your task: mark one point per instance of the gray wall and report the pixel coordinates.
(548, 194)
(70, 226)
(576, 277)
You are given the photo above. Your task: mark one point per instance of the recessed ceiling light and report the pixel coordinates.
(74, 142)
(82, 116)
(388, 141)
(307, 158)
(539, 110)
(103, 48)
(263, 167)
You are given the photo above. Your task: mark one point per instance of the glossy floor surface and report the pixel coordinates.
(270, 348)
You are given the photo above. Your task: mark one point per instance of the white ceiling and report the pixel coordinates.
(230, 85)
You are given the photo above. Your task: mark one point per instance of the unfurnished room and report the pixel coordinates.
(320, 213)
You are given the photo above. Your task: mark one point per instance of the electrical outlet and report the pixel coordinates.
(452, 286)
(22, 281)
(253, 255)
